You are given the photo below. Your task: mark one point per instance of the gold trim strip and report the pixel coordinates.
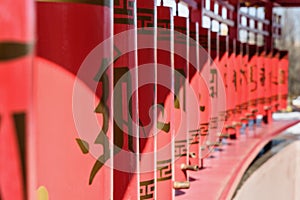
(13, 50)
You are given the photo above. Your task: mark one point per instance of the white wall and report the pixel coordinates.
(278, 178)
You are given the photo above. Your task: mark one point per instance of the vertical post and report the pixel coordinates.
(268, 40)
(269, 16)
(196, 15)
(235, 16)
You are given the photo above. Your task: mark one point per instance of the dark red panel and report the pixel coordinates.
(146, 15)
(165, 101)
(125, 105)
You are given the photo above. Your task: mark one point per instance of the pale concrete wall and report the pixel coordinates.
(277, 179)
(297, 183)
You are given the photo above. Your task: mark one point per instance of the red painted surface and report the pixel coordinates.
(252, 81)
(125, 182)
(261, 78)
(215, 83)
(224, 171)
(60, 161)
(225, 73)
(274, 81)
(165, 99)
(67, 32)
(244, 81)
(283, 73)
(146, 15)
(204, 97)
(237, 80)
(231, 89)
(180, 99)
(12, 160)
(194, 102)
(16, 156)
(268, 87)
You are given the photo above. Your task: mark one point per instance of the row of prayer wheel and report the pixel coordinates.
(103, 99)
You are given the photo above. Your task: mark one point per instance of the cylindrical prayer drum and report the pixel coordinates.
(261, 80)
(146, 19)
(126, 138)
(237, 76)
(165, 103)
(181, 150)
(268, 88)
(283, 75)
(231, 89)
(224, 70)
(73, 88)
(244, 82)
(252, 82)
(274, 81)
(194, 94)
(204, 96)
(216, 96)
(17, 143)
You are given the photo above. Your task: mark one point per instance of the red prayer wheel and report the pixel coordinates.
(274, 80)
(194, 94)
(283, 73)
(214, 90)
(17, 135)
(125, 179)
(74, 99)
(204, 96)
(231, 89)
(268, 88)
(261, 79)
(225, 74)
(252, 82)
(244, 82)
(165, 102)
(181, 137)
(237, 76)
(146, 17)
